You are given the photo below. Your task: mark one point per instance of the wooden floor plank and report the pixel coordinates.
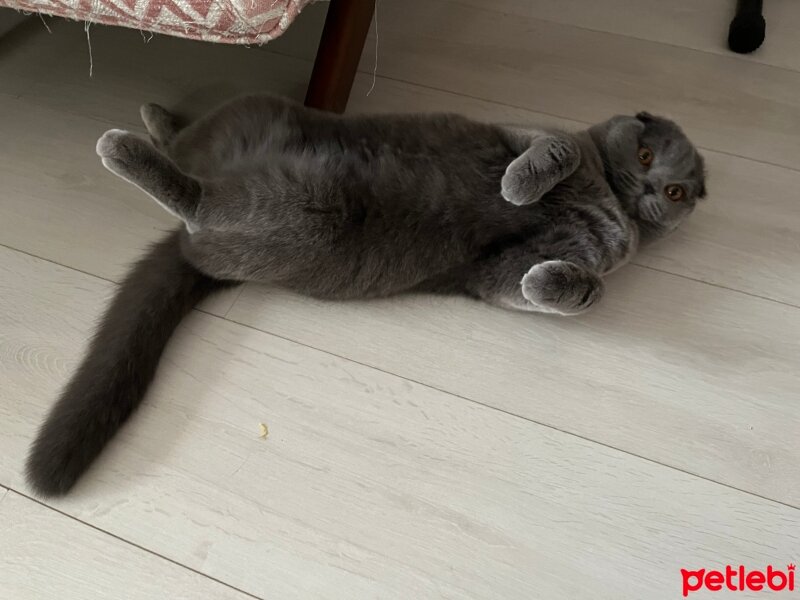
(371, 485)
(368, 485)
(685, 373)
(44, 554)
(691, 24)
(685, 23)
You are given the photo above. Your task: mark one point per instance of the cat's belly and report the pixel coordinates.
(592, 230)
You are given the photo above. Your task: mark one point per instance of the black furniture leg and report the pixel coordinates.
(748, 27)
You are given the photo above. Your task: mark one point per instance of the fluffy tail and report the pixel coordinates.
(111, 382)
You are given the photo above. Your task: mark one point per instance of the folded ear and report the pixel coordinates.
(622, 133)
(645, 117)
(700, 173)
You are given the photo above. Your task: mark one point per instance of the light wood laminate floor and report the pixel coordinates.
(419, 447)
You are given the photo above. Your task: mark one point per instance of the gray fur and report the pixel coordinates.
(364, 206)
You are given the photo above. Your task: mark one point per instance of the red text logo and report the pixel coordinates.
(738, 580)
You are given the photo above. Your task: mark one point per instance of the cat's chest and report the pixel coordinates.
(593, 219)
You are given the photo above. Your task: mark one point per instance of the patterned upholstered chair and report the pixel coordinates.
(237, 22)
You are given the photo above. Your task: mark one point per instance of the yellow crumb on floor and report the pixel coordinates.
(264, 430)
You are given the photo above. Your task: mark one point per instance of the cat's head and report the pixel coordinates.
(653, 168)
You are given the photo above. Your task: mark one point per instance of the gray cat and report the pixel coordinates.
(365, 206)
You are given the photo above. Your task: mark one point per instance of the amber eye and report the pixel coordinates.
(645, 156)
(674, 192)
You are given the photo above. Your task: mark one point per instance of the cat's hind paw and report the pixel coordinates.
(160, 123)
(109, 143)
(121, 151)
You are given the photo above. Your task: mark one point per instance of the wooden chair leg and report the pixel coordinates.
(340, 47)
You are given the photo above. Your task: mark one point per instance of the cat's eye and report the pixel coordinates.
(646, 156)
(674, 192)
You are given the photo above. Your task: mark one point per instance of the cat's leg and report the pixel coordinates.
(161, 124)
(548, 160)
(521, 280)
(136, 161)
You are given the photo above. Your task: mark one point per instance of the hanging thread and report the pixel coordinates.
(89, 43)
(46, 26)
(375, 67)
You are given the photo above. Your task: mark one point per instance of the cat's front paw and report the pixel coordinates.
(562, 287)
(539, 169)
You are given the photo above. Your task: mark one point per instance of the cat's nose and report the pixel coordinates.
(649, 189)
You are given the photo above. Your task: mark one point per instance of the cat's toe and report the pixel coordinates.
(513, 195)
(566, 156)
